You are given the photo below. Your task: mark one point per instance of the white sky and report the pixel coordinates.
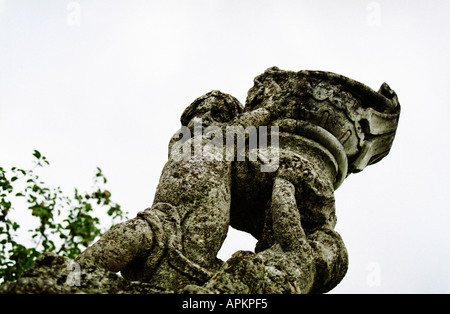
(103, 83)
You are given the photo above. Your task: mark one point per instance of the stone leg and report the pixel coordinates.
(119, 246)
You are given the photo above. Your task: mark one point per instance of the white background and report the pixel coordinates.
(104, 83)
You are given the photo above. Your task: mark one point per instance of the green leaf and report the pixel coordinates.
(15, 226)
(45, 160)
(37, 154)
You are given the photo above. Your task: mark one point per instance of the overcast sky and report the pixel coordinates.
(104, 82)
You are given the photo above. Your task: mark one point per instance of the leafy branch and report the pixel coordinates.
(65, 224)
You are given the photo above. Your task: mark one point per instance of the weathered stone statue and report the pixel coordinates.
(269, 169)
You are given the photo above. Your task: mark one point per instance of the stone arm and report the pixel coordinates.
(286, 220)
(258, 117)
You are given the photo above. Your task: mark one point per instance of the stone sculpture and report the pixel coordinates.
(330, 126)
(322, 127)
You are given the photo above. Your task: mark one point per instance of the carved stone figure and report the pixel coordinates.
(175, 242)
(321, 126)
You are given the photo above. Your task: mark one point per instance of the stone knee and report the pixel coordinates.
(330, 259)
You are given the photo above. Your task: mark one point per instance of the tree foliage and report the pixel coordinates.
(64, 224)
